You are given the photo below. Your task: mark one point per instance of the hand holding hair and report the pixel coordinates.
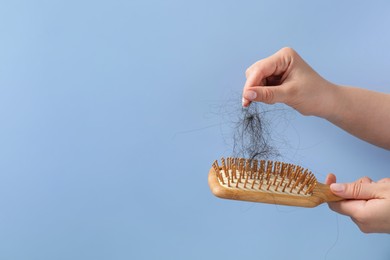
(285, 77)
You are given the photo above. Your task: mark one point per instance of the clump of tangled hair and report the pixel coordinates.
(251, 137)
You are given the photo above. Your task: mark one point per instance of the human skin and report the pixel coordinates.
(285, 77)
(368, 202)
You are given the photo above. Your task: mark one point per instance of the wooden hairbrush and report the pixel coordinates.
(267, 182)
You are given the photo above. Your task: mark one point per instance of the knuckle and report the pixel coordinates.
(288, 51)
(384, 180)
(365, 179)
(250, 69)
(247, 72)
(254, 67)
(365, 229)
(356, 190)
(333, 206)
(363, 220)
(268, 96)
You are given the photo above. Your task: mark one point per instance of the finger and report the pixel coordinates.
(347, 207)
(269, 95)
(358, 190)
(364, 180)
(274, 65)
(245, 102)
(384, 180)
(257, 78)
(330, 178)
(248, 97)
(258, 72)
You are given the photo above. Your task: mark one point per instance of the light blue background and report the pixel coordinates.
(111, 117)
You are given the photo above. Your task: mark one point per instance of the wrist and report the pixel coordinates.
(330, 104)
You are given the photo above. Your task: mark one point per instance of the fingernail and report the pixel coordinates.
(337, 187)
(250, 95)
(243, 102)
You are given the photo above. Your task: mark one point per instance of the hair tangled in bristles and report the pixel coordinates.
(252, 137)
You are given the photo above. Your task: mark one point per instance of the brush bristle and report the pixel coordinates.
(265, 176)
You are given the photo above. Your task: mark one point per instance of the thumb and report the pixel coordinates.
(356, 190)
(269, 95)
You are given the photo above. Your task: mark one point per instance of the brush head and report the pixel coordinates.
(264, 181)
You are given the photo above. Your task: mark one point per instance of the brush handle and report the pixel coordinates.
(323, 191)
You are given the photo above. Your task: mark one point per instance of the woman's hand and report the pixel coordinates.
(368, 202)
(286, 78)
